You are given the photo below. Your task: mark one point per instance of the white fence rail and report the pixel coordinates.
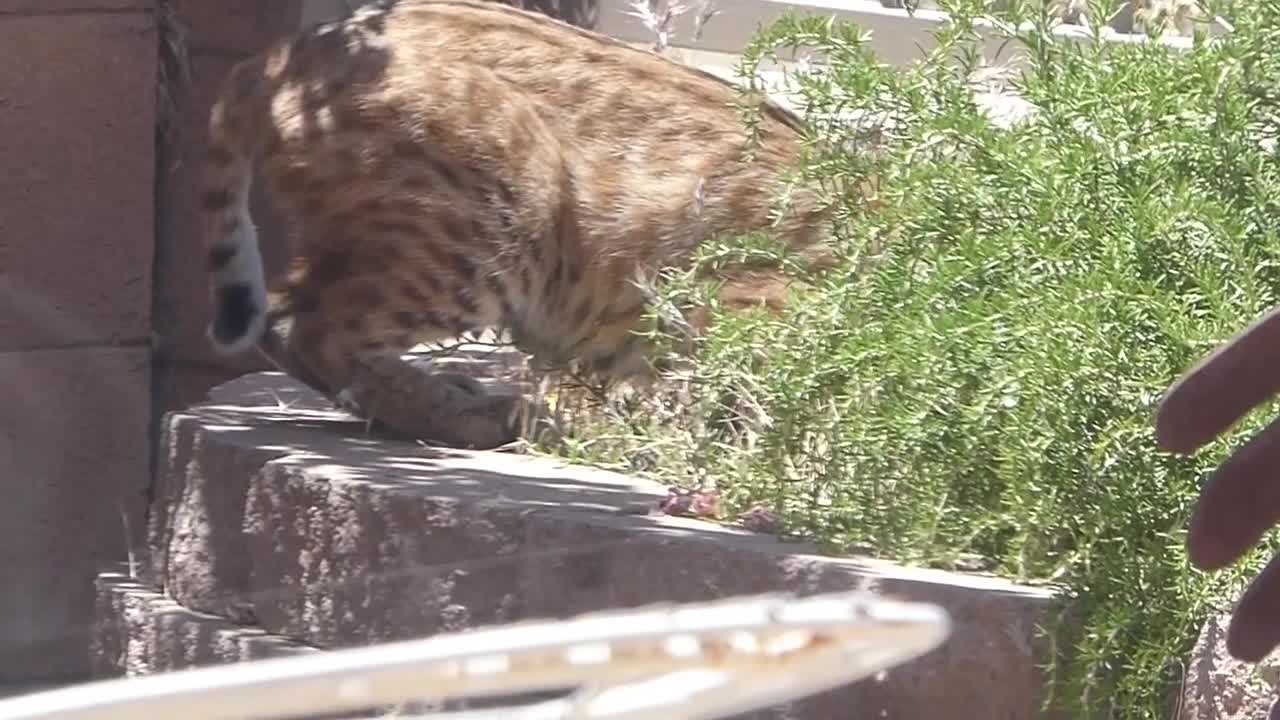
(696, 661)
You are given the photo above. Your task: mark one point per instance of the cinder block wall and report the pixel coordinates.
(76, 240)
(102, 300)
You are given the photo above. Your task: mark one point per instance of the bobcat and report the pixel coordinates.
(451, 165)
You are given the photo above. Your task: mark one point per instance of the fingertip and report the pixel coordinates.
(1254, 631)
(1173, 434)
(1199, 406)
(1207, 554)
(1250, 641)
(1212, 538)
(1221, 388)
(1238, 504)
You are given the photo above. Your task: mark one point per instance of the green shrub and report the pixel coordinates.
(979, 376)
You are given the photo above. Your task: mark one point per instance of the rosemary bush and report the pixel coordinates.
(975, 383)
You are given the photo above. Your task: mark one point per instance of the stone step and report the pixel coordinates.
(274, 509)
(140, 631)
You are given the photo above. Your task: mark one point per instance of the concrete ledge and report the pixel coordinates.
(138, 631)
(275, 509)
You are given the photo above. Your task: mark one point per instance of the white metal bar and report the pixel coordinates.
(898, 37)
(709, 659)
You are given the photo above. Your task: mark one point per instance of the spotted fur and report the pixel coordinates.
(452, 165)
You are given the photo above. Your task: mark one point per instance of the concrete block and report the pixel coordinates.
(237, 27)
(75, 456)
(77, 126)
(314, 12)
(183, 383)
(139, 631)
(1217, 686)
(341, 539)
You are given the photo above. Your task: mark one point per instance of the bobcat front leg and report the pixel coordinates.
(448, 408)
(370, 380)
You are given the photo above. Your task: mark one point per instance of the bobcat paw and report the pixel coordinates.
(346, 401)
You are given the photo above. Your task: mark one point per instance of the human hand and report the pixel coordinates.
(1241, 501)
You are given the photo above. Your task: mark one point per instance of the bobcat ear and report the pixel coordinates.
(1237, 377)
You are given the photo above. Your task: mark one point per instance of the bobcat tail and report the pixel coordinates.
(237, 280)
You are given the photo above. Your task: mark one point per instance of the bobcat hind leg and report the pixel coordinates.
(352, 355)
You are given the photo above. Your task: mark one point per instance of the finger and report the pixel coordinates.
(1255, 625)
(1224, 386)
(1238, 504)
